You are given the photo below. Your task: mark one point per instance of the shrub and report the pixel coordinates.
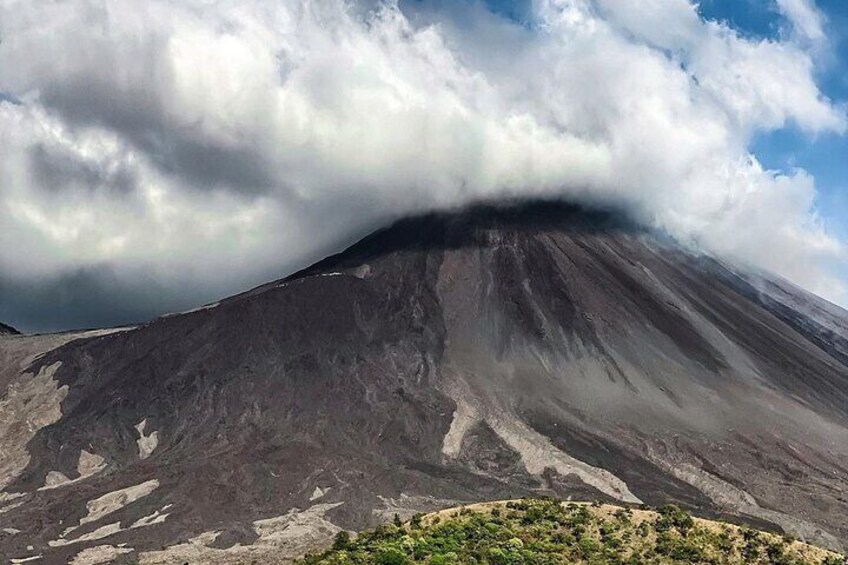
(623, 515)
(587, 546)
(390, 556)
(341, 541)
(497, 556)
(415, 522)
(672, 516)
(675, 547)
(533, 514)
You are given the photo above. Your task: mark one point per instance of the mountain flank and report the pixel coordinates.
(483, 354)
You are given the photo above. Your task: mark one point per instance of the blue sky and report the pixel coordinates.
(824, 156)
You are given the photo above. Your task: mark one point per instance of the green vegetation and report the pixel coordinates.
(549, 532)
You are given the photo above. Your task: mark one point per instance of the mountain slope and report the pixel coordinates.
(489, 353)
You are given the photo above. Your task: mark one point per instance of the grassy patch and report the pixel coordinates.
(549, 532)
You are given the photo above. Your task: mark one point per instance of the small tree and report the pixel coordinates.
(397, 521)
(672, 516)
(341, 541)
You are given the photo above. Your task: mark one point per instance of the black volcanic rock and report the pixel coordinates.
(8, 330)
(476, 355)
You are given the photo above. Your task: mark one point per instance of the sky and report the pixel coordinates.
(159, 155)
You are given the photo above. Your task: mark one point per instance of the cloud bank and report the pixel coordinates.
(205, 144)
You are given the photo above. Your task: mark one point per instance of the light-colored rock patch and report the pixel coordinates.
(195, 550)
(11, 531)
(538, 453)
(6, 497)
(156, 518)
(10, 501)
(89, 464)
(280, 540)
(99, 554)
(11, 507)
(146, 443)
(107, 504)
(318, 493)
(25, 559)
(113, 501)
(55, 479)
(99, 533)
(283, 530)
(106, 507)
(465, 417)
(30, 403)
(205, 539)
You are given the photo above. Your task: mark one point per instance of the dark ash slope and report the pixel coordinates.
(486, 354)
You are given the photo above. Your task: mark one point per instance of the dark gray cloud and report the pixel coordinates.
(87, 298)
(8, 98)
(98, 297)
(101, 296)
(138, 117)
(55, 169)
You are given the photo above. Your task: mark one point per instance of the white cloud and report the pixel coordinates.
(191, 137)
(807, 21)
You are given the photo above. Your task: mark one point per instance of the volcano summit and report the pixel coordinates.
(483, 354)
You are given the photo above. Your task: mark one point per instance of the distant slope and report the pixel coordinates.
(8, 330)
(483, 354)
(548, 532)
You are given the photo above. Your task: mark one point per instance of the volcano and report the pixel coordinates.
(483, 354)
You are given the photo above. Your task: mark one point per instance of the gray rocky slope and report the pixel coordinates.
(477, 355)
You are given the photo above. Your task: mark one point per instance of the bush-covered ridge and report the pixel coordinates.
(548, 532)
